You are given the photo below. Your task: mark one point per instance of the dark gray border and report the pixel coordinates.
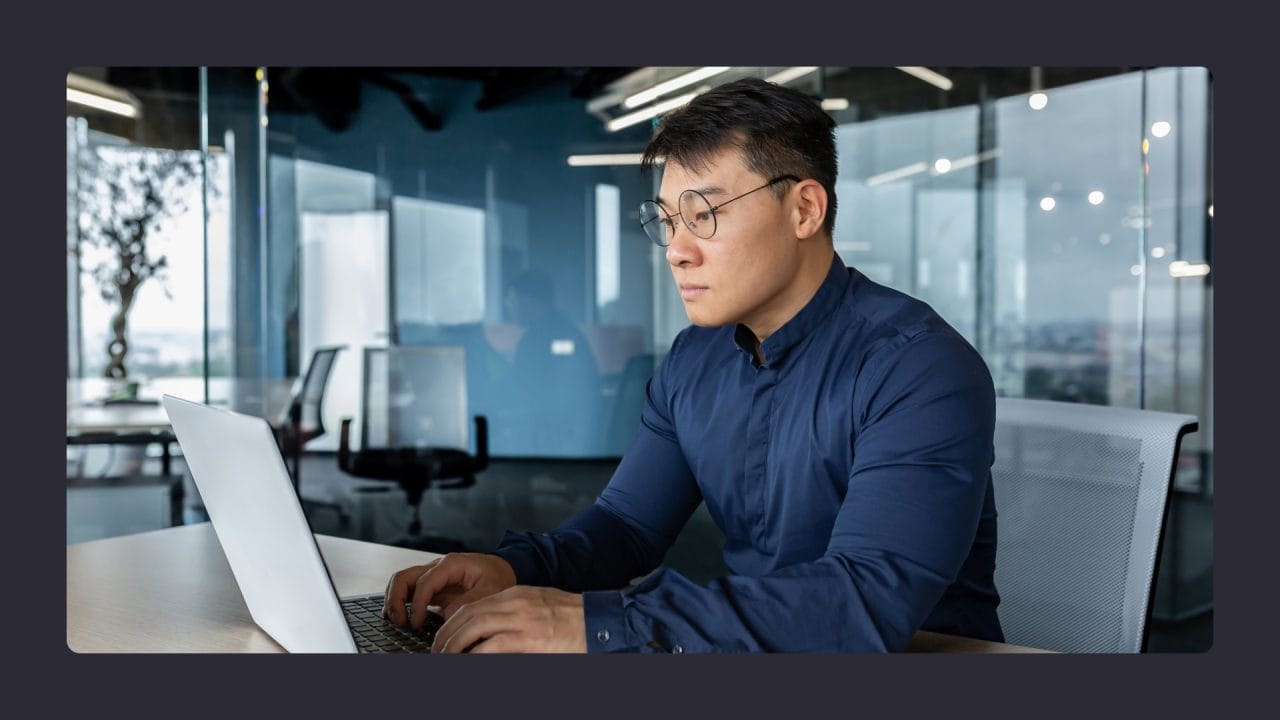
(240, 33)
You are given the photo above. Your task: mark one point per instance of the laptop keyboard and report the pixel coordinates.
(375, 634)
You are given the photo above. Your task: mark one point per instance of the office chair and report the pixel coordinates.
(628, 402)
(1081, 493)
(302, 419)
(413, 430)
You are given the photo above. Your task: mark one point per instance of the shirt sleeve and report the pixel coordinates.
(628, 530)
(924, 424)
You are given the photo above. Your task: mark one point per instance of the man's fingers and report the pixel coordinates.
(449, 582)
(501, 642)
(474, 622)
(433, 581)
(474, 628)
(450, 597)
(446, 633)
(450, 602)
(519, 619)
(399, 589)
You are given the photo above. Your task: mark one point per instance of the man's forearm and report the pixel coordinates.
(593, 550)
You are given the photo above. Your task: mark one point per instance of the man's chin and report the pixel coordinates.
(702, 318)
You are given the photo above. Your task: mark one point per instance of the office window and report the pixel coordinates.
(1027, 227)
(150, 283)
(908, 204)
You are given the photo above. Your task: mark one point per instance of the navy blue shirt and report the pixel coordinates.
(850, 473)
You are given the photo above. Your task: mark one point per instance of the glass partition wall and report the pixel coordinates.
(438, 207)
(137, 184)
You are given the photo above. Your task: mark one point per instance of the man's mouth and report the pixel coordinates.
(690, 291)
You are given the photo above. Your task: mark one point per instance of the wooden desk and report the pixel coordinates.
(171, 591)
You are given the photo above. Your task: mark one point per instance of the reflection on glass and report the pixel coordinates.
(608, 242)
(440, 256)
(344, 288)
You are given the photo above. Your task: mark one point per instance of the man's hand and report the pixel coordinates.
(449, 582)
(519, 619)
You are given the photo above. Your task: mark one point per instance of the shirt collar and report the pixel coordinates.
(779, 344)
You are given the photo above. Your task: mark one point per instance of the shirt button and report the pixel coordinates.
(677, 649)
(603, 636)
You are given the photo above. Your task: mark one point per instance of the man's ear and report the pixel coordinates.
(810, 208)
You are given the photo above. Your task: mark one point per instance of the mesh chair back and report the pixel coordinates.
(313, 387)
(303, 413)
(1080, 492)
(415, 397)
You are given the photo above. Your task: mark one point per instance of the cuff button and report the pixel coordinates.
(603, 636)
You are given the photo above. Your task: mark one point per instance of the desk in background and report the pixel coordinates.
(113, 504)
(265, 397)
(171, 591)
(90, 421)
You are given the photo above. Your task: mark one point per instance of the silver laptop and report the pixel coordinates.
(251, 501)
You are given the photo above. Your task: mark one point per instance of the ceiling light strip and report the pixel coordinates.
(929, 76)
(902, 172)
(640, 116)
(97, 101)
(1182, 269)
(605, 159)
(968, 160)
(786, 76)
(671, 85)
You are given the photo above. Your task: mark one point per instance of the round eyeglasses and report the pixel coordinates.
(694, 210)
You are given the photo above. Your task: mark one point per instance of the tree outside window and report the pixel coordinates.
(128, 198)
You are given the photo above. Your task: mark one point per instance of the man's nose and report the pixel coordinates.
(683, 248)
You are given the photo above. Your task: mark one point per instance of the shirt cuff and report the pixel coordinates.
(606, 624)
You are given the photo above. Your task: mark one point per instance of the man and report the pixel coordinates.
(550, 393)
(839, 432)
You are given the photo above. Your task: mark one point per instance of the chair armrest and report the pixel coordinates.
(482, 443)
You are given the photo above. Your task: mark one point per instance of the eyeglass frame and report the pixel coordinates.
(715, 224)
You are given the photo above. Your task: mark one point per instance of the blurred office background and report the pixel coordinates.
(1060, 218)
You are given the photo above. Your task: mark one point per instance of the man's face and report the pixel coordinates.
(740, 273)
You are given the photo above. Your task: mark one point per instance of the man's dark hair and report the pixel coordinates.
(779, 131)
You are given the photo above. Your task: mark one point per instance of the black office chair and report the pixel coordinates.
(628, 402)
(413, 429)
(302, 420)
